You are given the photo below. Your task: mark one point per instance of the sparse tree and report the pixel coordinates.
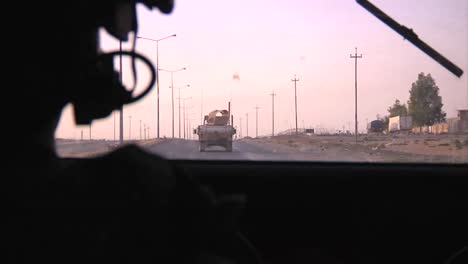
(425, 103)
(397, 109)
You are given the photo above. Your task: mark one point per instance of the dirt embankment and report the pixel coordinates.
(386, 148)
(91, 148)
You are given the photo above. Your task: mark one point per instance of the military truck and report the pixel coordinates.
(216, 130)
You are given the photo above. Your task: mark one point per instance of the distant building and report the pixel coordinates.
(462, 116)
(452, 125)
(458, 124)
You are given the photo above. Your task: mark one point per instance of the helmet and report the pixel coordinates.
(100, 89)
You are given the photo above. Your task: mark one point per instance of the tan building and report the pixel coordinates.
(462, 116)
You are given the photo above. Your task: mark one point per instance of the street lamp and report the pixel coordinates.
(157, 74)
(129, 127)
(189, 125)
(172, 85)
(183, 99)
(180, 87)
(186, 118)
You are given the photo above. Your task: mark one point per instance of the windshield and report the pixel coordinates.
(291, 80)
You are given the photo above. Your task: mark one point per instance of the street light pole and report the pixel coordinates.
(172, 87)
(247, 124)
(186, 118)
(188, 129)
(121, 108)
(273, 113)
(184, 115)
(157, 77)
(256, 121)
(130, 128)
(179, 112)
(157, 89)
(184, 112)
(172, 92)
(178, 88)
(178, 98)
(240, 127)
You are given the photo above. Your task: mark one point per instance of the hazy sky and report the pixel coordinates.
(266, 42)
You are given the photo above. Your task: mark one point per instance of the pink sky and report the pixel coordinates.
(267, 42)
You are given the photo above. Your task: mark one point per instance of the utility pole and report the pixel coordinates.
(256, 121)
(247, 124)
(82, 135)
(273, 113)
(355, 57)
(121, 108)
(295, 80)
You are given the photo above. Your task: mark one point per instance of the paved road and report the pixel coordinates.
(243, 150)
(188, 149)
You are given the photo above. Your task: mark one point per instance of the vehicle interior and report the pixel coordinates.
(303, 211)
